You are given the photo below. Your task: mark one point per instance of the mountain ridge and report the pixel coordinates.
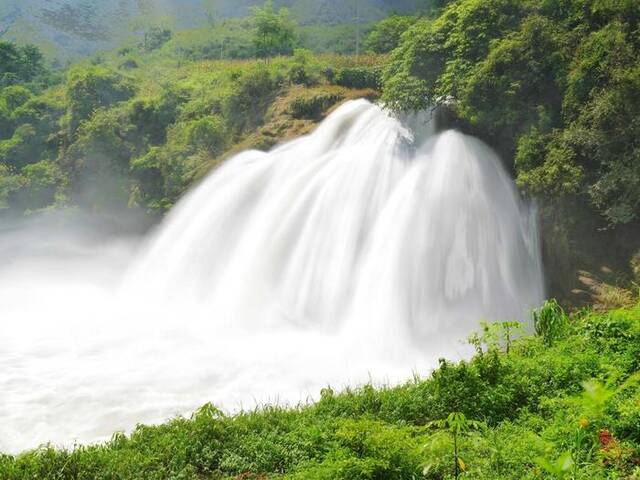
(69, 29)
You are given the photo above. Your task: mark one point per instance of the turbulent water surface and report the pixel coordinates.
(362, 252)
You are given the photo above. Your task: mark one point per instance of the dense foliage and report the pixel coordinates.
(553, 84)
(562, 404)
(274, 32)
(385, 35)
(19, 64)
(116, 134)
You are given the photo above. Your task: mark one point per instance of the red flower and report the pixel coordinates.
(606, 439)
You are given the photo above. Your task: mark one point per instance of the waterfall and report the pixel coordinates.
(365, 250)
(359, 224)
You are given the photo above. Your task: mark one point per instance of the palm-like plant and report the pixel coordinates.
(457, 425)
(550, 321)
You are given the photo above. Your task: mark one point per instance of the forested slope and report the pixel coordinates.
(135, 128)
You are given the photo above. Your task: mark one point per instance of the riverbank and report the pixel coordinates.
(564, 403)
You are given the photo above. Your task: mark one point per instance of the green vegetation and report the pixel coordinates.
(551, 84)
(555, 406)
(73, 29)
(19, 64)
(274, 32)
(136, 128)
(554, 87)
(386, 34)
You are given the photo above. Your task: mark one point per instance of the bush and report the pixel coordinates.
(40, 189)
(100, 155)
(155, 38)
(313, 104)
(21, 149)
(93, 87)
(15, 96)
(305, 70)
(9, 183)
(253, 92)
(207, 134)
(129, 64)
(387, 33)
(550, 322)
(523, 79)
(153, 115)
(358, 77)
(20, 64)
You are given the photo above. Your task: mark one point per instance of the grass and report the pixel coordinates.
(566, 406)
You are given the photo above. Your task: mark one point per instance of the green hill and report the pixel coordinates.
(68, 29)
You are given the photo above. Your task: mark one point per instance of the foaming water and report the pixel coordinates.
(364, 251)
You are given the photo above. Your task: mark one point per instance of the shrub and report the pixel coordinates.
(21, 149)
(9, 183)
(358, 77)
(90, 88)
(129, 64)
(550, 322)
(386, 34)
(156, 37)
(207, 134)
(305, 70)
(578, 395)
(20, 64)
(15, 96)
(313, 104)
(252, 93)
(40, 188)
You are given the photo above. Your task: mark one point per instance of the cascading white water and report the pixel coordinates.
(354, 224)
(357, 251)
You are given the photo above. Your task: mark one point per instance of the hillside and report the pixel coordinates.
(137, 131)
(68, 29)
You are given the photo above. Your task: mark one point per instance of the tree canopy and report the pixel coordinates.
(273, 31)
(19, 64)
(553, 84)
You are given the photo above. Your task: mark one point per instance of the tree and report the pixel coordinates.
(213, 11)
(386, 34)
(274, 33)
(554, 88)
(19, 64)
(89, 88)
(456, 425)
(156, 37)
